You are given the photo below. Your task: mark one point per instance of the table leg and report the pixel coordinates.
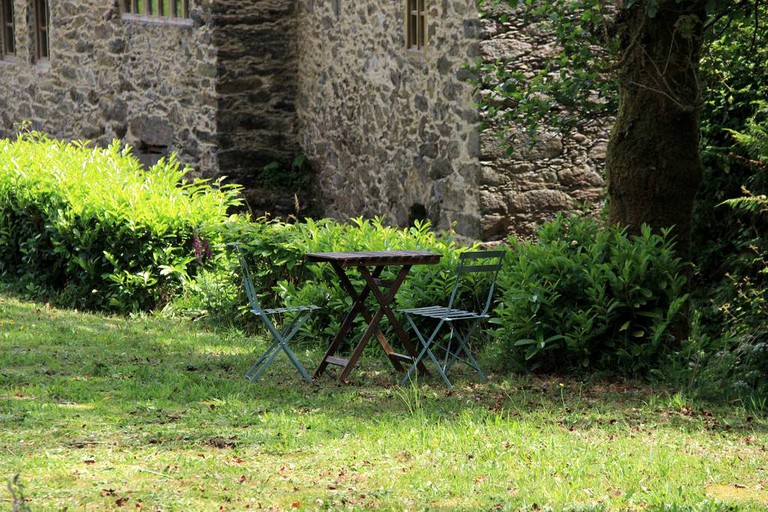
(373, 323)
(358, 307)
(385, 303)
(373, 326)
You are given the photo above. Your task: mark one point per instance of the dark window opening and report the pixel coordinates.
(418, 213)
(7, 28)
(41, 30)
(416, 24)
(149, 154)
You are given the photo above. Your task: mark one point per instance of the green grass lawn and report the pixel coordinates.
(105, 413)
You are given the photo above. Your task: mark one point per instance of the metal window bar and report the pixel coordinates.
(422, 17)
(411, 29)
(157, 8)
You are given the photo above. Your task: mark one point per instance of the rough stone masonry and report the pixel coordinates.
(238, 85)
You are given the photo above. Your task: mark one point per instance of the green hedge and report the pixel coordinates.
(276, 253)
(578, 298)
(94, 228)
(585, 297)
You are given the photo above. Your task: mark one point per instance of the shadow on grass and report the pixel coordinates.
(158, 369)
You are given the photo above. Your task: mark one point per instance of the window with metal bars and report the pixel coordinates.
(157, 8)
(42, 18)
(416, 24)
(7, 29)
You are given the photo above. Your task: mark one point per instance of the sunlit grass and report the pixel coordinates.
(105, 413)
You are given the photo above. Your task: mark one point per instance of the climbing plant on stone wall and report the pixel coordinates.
(638, 58)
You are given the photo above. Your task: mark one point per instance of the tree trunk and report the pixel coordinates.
(653, 164)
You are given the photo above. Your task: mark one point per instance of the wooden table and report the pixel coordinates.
(371, 264)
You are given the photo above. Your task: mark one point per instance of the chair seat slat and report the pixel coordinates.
(444, 313)
(289, 309)
(478, 255)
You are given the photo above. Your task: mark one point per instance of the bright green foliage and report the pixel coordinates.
(581, 297)
(276, 252)
(95, 228)
(734, 70)
(754, 139)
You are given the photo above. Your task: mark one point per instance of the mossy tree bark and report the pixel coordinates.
(653, 164)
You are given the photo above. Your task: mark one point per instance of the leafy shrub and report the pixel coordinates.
(729, 357)
(276, 254)
(585, 298)
(579, 298)
(737, 53)
(95, 228)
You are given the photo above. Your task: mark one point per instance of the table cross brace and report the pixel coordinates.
(384, 309)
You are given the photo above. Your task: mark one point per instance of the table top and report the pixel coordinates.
(376, 258)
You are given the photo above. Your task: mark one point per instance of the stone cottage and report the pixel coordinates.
(374, 93)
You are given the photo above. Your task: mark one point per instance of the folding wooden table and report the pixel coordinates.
(371, 264)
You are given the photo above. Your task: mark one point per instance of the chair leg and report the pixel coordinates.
(290, 332)
(297, 364)
(426, 344)
(464, 347)
(258, 368)
(420, 355)
(281, 339)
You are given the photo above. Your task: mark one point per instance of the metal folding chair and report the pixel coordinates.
(281, 337)
(457, 347)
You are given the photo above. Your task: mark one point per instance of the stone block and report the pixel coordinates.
(493, 202)
(152, 130)
(500, 49)
(580, 177)
(494, 227)
(440, 168)
(491, 177)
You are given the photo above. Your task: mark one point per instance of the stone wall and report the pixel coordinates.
(560, 172)
(256, 87)
(396, 132)
(390, 131)
(150, 85)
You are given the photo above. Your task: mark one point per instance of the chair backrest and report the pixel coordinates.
(250, 289)
(478, 262)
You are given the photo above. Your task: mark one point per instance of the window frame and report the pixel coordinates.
(7, 29)
(416, 25)
(42, 32)
(154, 11)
